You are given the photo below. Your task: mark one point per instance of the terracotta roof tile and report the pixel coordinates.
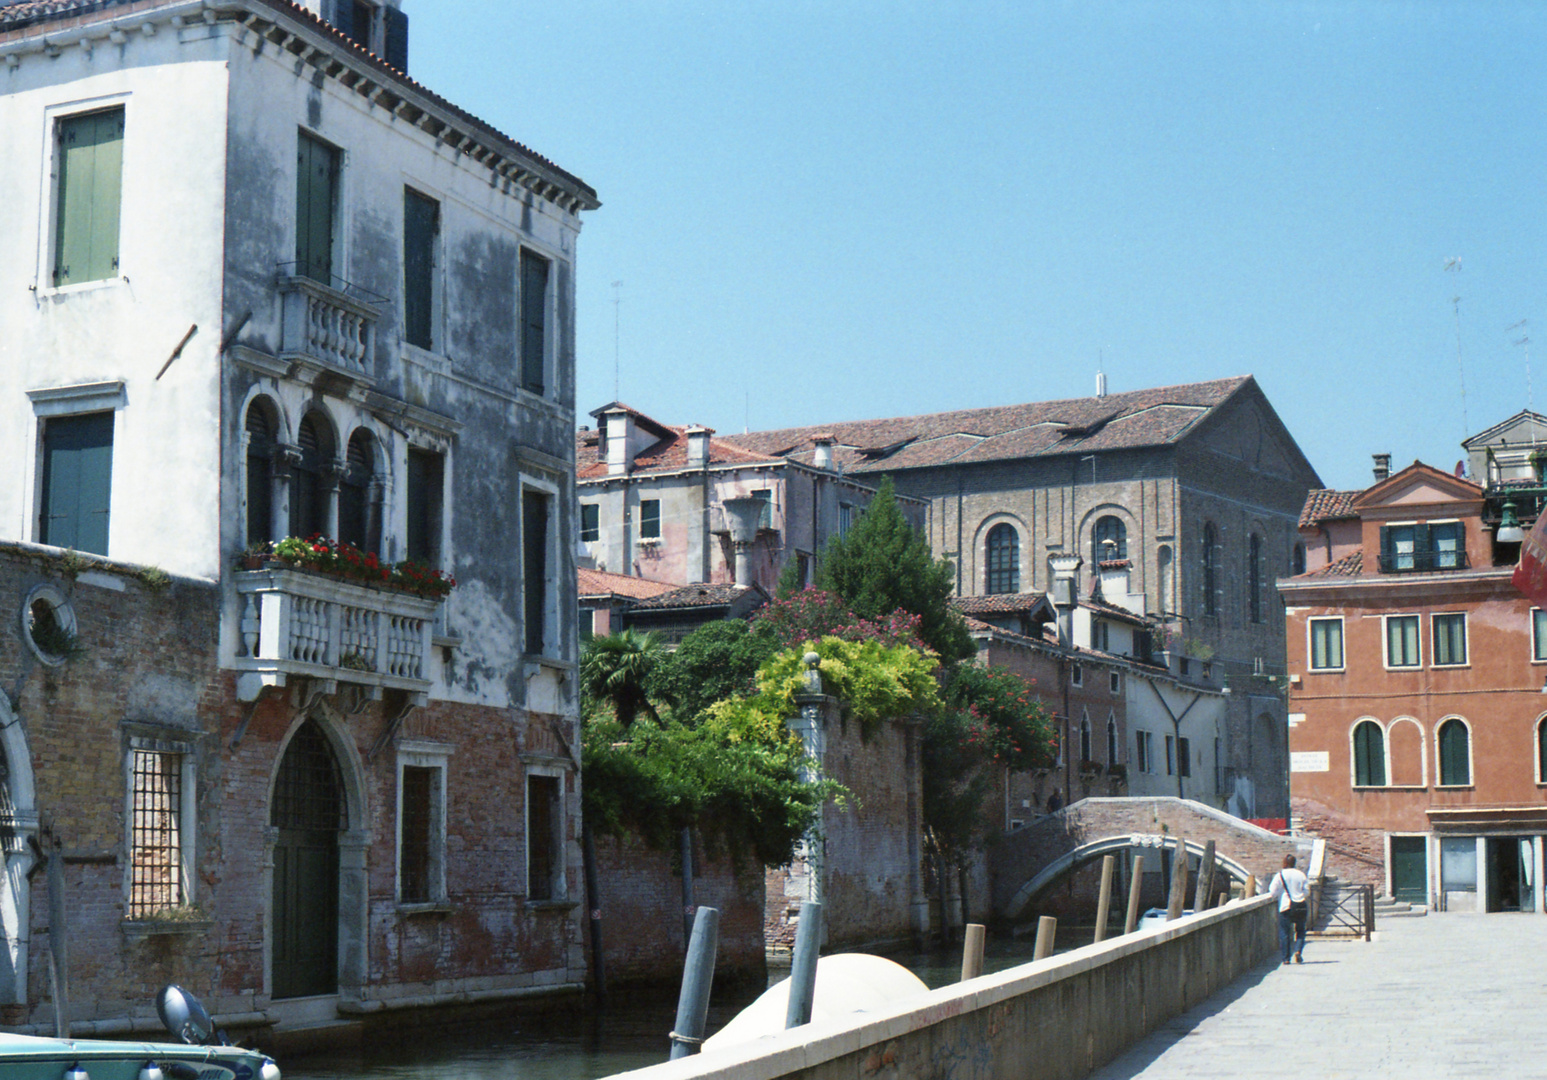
(1112, 611)
(665, 455)
(691, 596)
(1323, 504)
(997, 604)
(1351, 565)
(601, 583)
(1115, 422)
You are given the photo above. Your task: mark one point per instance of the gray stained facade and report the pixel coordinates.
(1197, 488)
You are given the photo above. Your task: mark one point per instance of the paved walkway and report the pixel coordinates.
(1443, 997)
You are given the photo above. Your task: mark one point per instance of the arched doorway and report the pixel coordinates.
(18, 823)
(308, 812)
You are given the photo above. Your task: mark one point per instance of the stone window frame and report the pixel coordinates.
(549, 488)
(1434, 640)
(1540, 730)
(559, 879)
(150, 738)
(1538, 636)
(1353, 754)
(64, 615)
(435, 756)
(1310, 644)
(1385, 626)
(43, 277)
(1439, 758)
(1008, 547)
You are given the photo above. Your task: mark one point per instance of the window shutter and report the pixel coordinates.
(397, 38)
(77, 482)
(420, 224)
(1386, 560)
(344, 17)
(534, 319)
(90, 175)
(1423, 554)
(534, 569)
(316, 180)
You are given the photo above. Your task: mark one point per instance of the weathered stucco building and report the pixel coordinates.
(1418, 728)
(256, 282)
(1181, 500)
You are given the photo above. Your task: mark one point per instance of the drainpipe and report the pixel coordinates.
(1066, 568)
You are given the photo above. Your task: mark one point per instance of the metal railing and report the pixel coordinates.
(1416, 562)
(1344, 909)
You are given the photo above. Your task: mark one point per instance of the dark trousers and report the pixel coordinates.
(1291, 932)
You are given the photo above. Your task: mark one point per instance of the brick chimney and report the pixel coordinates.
(1382, 466)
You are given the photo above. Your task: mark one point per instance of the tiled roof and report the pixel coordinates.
(664, 456)
(998, 604)
(1138, 418)
(1112, 611)
(1351, 565)
(601, 583)
(20, 14)
(1323, 504)
(691, 596)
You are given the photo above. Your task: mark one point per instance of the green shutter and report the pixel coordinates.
(90, 182)
(316, 181)
(421, 219)
(534, 319)
(534, 566)
(77, 482)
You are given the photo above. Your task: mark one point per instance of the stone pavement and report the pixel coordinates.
(1443, 997)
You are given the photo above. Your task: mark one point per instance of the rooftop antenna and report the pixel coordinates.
(1525, 340)
(746, 415)
(1453, 265)
(617, 305)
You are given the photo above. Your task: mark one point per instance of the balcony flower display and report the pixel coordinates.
(336, 559)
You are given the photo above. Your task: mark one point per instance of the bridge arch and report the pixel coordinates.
(1070, 861)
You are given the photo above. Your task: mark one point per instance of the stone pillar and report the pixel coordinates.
(286, 458)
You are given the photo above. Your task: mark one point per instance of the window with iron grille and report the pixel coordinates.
(156, 880)
(544, 838)
(421, 825)
(1004, 558)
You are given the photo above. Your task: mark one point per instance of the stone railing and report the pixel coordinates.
(295, 623)
(325, 324)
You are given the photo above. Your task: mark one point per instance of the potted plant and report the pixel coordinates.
(254, 556)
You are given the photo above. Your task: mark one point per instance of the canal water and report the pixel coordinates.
(629, 1033)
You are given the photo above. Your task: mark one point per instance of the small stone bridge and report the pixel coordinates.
(1025, 862)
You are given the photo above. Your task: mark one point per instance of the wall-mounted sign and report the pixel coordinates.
(1309, 761)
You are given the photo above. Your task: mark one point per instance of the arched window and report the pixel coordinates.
(1455, 754)
(358, 500)
(1541, 751)
(1110, 539)
(1369, 755)
(1111, 740)
(1167, 578)
(1085, 740)
(1254, 577)
(1004, 560)
(262, 441)
(1297, 560)
(309, 494)
(1210, 600)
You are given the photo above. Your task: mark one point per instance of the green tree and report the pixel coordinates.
(617, 669)
(884, 564)
(719, 660)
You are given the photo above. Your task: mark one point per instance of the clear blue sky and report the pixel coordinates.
(851, 210)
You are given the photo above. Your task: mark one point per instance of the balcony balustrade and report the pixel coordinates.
(333, 326)
(303, 624)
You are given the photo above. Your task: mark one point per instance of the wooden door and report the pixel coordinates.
(1410, 869)
(309, 812)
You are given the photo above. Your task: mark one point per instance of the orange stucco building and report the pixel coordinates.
(1416, 701)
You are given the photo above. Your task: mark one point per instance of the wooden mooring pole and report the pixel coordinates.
(1135, 887)
(808, 943)
(1047, 926)
(1104, 905)
(972, 951)
(1203, 893)
(697, 978)
(1178, 895)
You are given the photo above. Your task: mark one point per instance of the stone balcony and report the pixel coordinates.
(333, 327)
(302, 624)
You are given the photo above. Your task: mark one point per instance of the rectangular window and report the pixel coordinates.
(77, 482)
(1141, 746)
(1076, 675)
(803, 568)
(1326, 644)
(1538, 634)
(356, 19)
(1402, 641)
(87, 198)
(845, 518)
(534, 567)
(421, 828)
(1170, 755)
(1449, 640)
(1458, 863)
(426, 492)
(649, 519)
(544, 838)
(1183, 757)
(1101, 636)
(1115, 682)
(1447, 545)
(421, 234)
(156, 880)
(1400, 542)
(316, 200)
(534, 320)
(590, 522)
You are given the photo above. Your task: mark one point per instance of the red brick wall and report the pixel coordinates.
(642, 924)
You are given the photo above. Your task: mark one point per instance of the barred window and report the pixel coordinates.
(155, 833)
(421, 823)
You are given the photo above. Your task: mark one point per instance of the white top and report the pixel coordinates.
(1289, 884)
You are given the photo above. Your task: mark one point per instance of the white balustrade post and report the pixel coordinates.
(274, 633)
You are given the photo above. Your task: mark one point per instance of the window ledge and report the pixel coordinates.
(552, 905)
(431, 907)
(649, 541)
(138, 929)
